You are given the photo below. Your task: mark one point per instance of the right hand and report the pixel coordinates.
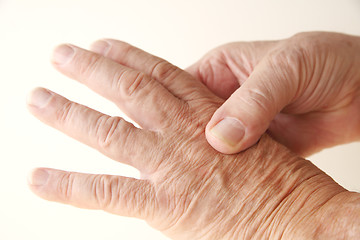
(304, 90)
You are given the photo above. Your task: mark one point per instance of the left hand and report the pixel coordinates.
(188, 190)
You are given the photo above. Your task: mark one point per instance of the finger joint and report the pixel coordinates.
(106, 130)
(131, 82)
(161, 70)
(65, 186)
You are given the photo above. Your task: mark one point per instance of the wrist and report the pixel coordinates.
(340, 218)
(337, 218)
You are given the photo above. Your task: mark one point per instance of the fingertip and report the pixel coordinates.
(38, 177)
(101, 46)
(219, 145)
(39, 97)
(230, 136)
(44, 182)
(62, 54)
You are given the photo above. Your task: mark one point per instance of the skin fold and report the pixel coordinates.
(188, 190)
(304, 90)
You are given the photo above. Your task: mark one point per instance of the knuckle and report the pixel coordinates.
(105, 190)
(223, 50)
(289, 67)
(111, 192)
(288, 56)
(296, 60)
(106, 130)
(130, 83)
(294, 51)
(66, 112)
(162, 70)
(65, 186)
(309, 42)
(260, 101)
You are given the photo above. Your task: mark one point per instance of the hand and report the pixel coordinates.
(304, 90)
(188, 190)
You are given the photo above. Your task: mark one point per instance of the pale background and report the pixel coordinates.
(179, 31)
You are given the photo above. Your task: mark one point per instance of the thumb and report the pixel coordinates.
(246, 115)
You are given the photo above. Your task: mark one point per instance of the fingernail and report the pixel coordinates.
(39, 97)
(63, 54)
(38, 177)
(229, 130)
(101, 47)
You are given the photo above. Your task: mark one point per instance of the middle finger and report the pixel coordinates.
(143, 99)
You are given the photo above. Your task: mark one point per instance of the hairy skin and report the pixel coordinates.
(301, 90)
(188, 190)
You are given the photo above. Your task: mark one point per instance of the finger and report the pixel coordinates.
(119, 195)
(227, 67)
(245, 116)
(216, 75)
(177, 81)
(112, 136)
(143, 99)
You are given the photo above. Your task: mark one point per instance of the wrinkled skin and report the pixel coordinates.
(188, 190)
(305, 90)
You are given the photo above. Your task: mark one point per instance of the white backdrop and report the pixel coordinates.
(179, 31)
